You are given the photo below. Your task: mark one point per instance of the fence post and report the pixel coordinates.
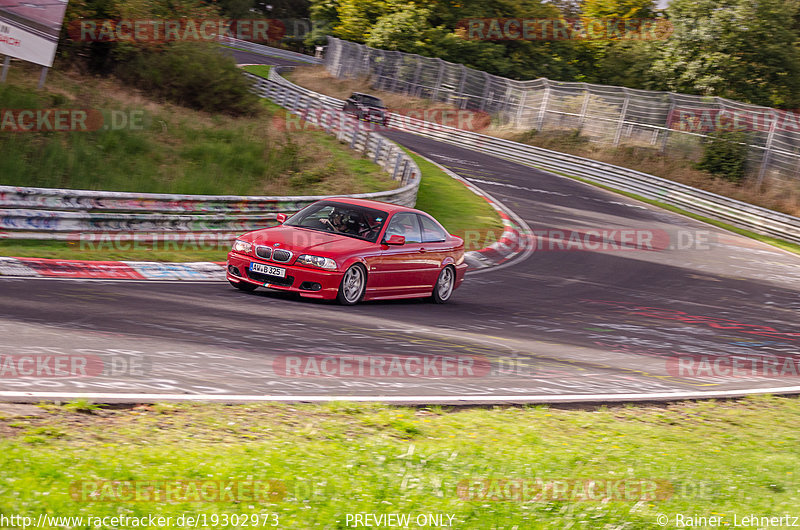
(487, 83)
(669, 122)
(621, 122)
(461, 86)
(521, 108)
(768, 148)
(584, 105)
(543, 107)
(416, 77)
(397, 60)
(438, 79)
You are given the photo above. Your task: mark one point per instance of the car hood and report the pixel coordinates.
(303, 240)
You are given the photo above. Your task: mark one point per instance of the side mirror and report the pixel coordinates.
(281, 218)
(396, 240)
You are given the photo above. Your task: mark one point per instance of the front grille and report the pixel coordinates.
(281, 255)
(273, 280)
(263, 252)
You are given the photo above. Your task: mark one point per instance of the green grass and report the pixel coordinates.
(712, 457)
(258, 69)
(173, 149)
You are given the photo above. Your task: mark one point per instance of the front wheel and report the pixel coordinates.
(444, 285)
(244, 286)
(354, 283)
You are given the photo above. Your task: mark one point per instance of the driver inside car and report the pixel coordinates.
(341, 222)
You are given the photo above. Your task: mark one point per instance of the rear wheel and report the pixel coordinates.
(244, 286)
(444, 285)
(354, 282)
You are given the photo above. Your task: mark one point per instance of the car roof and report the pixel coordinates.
(385, 206)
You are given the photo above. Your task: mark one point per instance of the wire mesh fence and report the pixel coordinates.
(672, 123)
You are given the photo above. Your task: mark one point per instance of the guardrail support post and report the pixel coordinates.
(355, 137)
(378, 150)
(397, 165)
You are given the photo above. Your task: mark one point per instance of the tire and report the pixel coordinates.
(354, 283)
(443, 289)
(244, 286)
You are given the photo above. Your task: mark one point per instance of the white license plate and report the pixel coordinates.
(267, 269)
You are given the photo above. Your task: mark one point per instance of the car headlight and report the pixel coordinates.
(242, 246)
(316, 261)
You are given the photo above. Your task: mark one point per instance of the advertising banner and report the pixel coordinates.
(29, 29)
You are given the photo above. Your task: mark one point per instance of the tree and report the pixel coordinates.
(739, 49)
(618, 8)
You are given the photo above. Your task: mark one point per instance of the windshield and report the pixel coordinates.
(372, 101)
(345, 219)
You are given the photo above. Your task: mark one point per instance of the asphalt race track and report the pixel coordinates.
(691, 311)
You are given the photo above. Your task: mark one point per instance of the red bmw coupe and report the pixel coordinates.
(351, 250)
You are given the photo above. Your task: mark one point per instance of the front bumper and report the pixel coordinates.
(308, 282)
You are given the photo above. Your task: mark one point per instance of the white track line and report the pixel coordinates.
(546, 398)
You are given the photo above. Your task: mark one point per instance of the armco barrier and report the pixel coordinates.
(737, 213)
(267, 50)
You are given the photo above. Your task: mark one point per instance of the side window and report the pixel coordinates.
(431, 231)
(405, 224)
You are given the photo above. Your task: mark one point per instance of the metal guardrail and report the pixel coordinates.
(267, 50)
(737, 213)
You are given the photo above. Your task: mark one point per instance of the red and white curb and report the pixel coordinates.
(111, 270)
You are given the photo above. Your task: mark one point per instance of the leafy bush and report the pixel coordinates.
(195, 75)
(725, 155)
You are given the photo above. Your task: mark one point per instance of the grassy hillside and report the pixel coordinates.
(170, 149)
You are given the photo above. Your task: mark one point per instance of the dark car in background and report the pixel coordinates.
(367, 108)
